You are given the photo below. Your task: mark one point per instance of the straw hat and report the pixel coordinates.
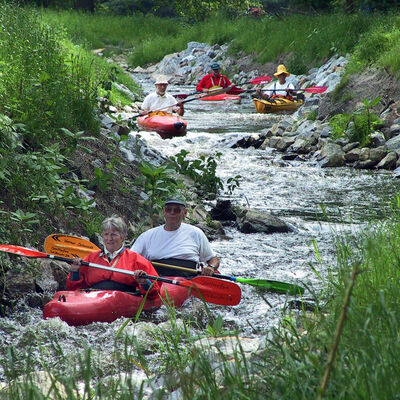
(161, 79)
(281, 70)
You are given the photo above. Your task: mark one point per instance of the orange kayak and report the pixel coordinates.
(165, 124)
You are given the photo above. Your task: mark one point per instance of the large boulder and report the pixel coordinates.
(253, 221)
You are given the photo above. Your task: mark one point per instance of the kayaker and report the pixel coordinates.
(114, 232)
(278, 88)
(177, 243)
(213, 81)
(161, 100)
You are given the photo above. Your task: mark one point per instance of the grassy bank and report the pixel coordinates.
(308, 39)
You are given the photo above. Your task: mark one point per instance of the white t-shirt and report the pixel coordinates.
(154, 102)
(279, 88)
(186, 243)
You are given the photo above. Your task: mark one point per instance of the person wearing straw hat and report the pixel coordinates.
(213, 81)
(161, 100)
(280, 88)
(177, 243)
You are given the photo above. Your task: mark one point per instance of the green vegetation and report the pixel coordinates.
(309, 39)
(359, 126)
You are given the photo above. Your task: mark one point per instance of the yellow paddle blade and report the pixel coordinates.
(68, 246)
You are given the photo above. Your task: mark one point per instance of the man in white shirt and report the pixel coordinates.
(161, 100)
(176, 243)
(279, 88)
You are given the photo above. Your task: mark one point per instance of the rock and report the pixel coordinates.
(377, 154)
(388, 162)
(255, 221)
(353, 155)
(281, 143)
(350, 146)
(223, 211)
(394, 144)
(364, 154)
(331, 155)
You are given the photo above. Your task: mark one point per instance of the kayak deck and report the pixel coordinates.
(83, 307)
(276, 104)
(165, 124)
(222, 97)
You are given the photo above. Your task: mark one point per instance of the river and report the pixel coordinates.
(319, 203)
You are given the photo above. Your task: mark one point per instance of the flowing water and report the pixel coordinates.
(317, 203)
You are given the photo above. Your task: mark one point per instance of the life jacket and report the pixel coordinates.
(282, 96)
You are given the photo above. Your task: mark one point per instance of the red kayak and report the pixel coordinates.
(222, 97)
(82, 307)
(165, 124)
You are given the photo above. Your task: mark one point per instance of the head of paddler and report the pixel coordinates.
(161, 84)
(215, 67)
(281, 73)
(174, 213)
(114, 232)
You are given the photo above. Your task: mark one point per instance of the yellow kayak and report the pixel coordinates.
(276, 104)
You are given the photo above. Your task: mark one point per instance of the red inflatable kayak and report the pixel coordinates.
(165, 124)
(82, 307)
(222, 97)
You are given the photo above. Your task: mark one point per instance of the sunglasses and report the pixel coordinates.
(173, 209)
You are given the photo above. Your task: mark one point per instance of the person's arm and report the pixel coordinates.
(211, 267)
(201, 87)
(227, 82)
(180, 109)
(75, 279)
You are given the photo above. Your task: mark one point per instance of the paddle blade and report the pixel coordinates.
(316, 89)
(214, 290)
(275, 286)
(68, 246)
(235, 90)
(260, 79)
(181, 95)
(21, 251)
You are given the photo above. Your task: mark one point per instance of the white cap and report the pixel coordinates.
(161, 79)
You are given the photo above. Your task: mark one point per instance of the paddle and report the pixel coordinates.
(311, 89)
(219, 91)
(209, 289)
(233, 90)
(70, 246)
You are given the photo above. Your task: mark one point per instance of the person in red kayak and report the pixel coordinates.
(161, 100)
(177, 243)
(213, 81)
(114, 232)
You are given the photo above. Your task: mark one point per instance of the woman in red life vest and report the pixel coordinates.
(114, 254)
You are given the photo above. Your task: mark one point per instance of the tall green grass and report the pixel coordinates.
(307, 39)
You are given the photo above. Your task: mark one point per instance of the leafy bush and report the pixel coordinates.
(201, 170)
(359, 125)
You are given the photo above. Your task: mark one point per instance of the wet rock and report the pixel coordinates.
(281, 143)
(331, 155)
(389, 161)
(223, 211)
(255, 221)
(350, 146)
(377, 154)
(394, 144)
(353, 155)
